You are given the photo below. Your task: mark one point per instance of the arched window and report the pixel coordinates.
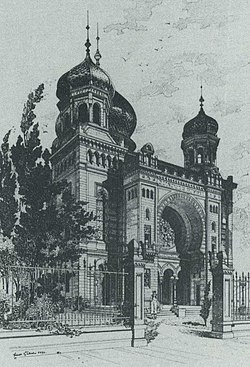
(103, 160)
(214, 209)
(135, 192)
(109, 161)
(147, 214)
(97, 158)
(83, 113)
(132, 194)
(211, 208)
(97, 114)
(151, 194)
(213, 226)
(147, 193)
(129, 195)
(143, 192)
(90, 156)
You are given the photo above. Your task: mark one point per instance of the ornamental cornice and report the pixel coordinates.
(101, 145)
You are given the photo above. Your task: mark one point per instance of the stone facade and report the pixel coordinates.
(179, 215)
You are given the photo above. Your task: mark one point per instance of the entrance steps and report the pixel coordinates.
(187, 312)
(166, 311)
(191, 311)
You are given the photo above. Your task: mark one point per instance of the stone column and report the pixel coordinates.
(175, 290)
(136, 276)
(222, 296)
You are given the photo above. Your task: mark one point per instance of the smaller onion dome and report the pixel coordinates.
(122, 117)
(200, 124)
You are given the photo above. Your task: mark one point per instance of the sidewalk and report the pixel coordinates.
(176, 345)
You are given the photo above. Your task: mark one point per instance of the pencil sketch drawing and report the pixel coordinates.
(124, 183)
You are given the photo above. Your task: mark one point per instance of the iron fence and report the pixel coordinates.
(43, 297)
(241, 296)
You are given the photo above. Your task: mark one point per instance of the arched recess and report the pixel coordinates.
(187, 218)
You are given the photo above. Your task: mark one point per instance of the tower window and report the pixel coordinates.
(200, 156)
(147, 214)
(214, 227)
(147, 193)
(109, 161)
(97, 157)
(151, 194)
(83, 113)
(143, 192)
(97, 114)
(90, 156)
(147, 235)
(129, 195)
(103, 160)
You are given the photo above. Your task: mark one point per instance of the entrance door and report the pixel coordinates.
(198, 294)
(183, 288)
(167, 287)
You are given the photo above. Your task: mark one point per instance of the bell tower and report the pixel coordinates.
(200, 141)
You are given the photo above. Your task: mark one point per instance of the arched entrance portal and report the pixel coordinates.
(180, 224)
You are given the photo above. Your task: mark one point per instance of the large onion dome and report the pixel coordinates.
(85, 74)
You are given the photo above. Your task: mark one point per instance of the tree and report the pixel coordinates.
(8, 202)
(43, 223)
(43, 232)
(207, 301)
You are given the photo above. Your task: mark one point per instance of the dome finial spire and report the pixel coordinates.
(87, 43)
(201, 98)
(97, 54)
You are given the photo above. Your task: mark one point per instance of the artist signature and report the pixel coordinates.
(27, 353)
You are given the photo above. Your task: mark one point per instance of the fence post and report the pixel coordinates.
(222, 320)
(136, 284)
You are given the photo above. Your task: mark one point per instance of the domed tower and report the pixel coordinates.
(93, 129)
(200, 141)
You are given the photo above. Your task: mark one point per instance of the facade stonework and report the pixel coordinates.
(178, 215)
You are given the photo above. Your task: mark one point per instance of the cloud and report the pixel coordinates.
(205, 13)
(164, 79)
(227, 107)
(140, 12)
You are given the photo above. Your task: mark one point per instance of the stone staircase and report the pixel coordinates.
(188, 312)
(166, 312)
(192, 312)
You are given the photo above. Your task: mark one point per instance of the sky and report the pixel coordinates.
(157, 52)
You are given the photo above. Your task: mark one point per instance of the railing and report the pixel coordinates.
(241, 297)
(37, 296)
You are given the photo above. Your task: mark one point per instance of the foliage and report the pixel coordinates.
(43, 232)
(151, 331)
(8, 202)
(207, 301)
